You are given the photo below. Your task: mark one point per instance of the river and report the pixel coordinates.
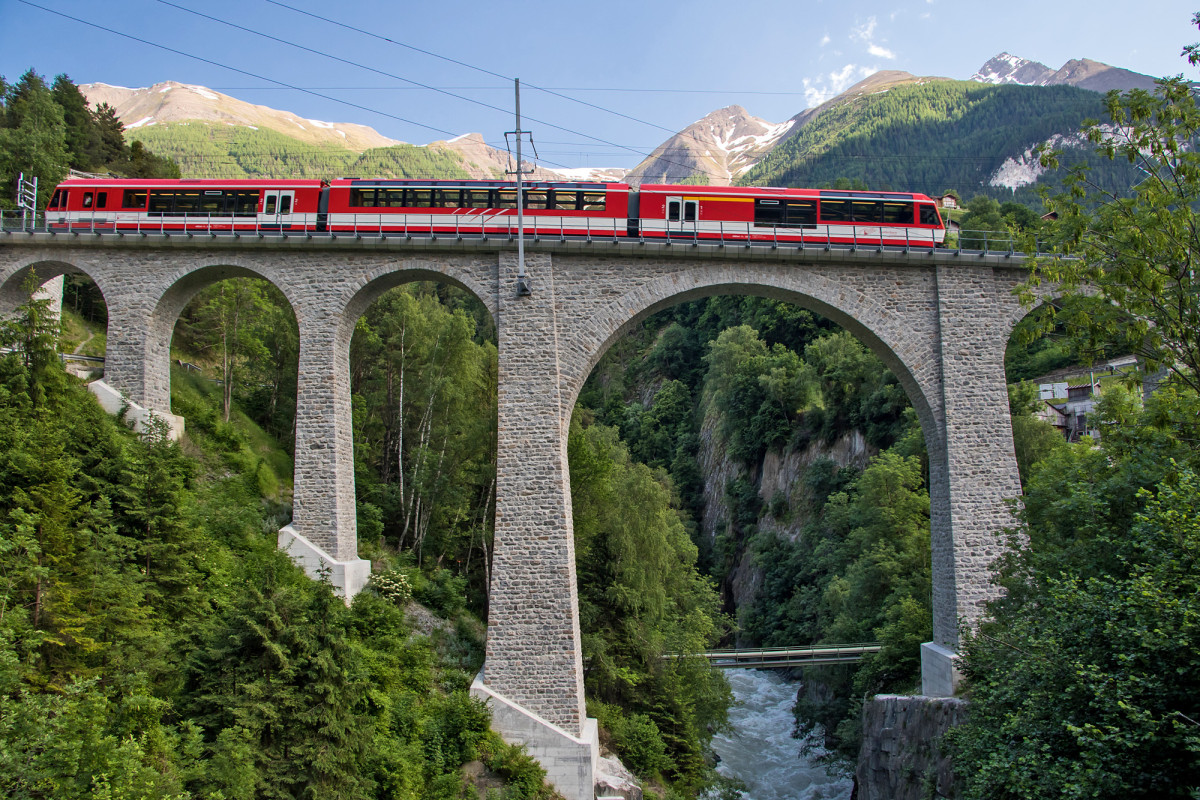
(760, 750)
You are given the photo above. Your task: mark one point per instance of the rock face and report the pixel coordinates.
(779, 474)
(614, 780)
(902, 757)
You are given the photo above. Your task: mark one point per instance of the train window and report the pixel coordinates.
(690, 210)
(389, 198)
(211, 203)
(929, 214)
(269, 206)
(565, 200)
(506, 198)
(285, 204)
(242, 204)
(594, 201)
(418, 198)
(897, 213)
(448, 198)
(767, 213)
(161, 203)
(835, 211)
(476, 198)
(537, 199)
(54, 198)
(102, 200)
(867, 210)
(87, 199)
(133, 198)
(362, 198)
(800, 212)
(673, 211)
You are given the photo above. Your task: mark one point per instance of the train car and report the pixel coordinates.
(480, 208)
(789, 215)
(118, 204)
(477, 207)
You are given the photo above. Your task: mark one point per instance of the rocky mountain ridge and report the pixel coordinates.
(1081, 72)
(721, 147)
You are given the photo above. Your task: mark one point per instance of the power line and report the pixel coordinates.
(232, 69)
(498, 75)
(612, 89)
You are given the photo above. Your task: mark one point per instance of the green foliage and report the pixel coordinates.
(154, 643)
(44, 131)
(33, 139)
(635, 737)
(859, 571)
(640, 598)
(1131, 279)
(991, 225)
(423, 378)
(1084, 682)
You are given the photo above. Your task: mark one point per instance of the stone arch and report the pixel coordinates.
(910, 358)
(178, 289)
(325, 503)
(12, 292)
(373, 283)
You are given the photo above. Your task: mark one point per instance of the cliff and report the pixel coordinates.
(902, 757)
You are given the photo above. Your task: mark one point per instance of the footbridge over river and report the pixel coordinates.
(939, 319)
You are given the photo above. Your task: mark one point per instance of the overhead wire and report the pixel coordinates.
(286, 85)
(495, 74)
(231, 68)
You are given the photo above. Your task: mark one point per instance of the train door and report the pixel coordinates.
(681, 215)
(277, 208)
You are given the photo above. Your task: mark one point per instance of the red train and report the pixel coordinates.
(477, 208)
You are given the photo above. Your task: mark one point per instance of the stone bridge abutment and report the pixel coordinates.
(940, 321)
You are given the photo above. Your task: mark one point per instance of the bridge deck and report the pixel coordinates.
(780, 657)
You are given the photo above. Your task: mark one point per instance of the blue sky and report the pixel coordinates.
(651, 67)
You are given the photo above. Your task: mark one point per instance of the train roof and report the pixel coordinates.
(211, 183)
(595, 186)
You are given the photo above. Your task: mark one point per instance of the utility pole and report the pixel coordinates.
(524, 289)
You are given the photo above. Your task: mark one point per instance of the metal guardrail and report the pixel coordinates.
(372, 225)
(780, 657)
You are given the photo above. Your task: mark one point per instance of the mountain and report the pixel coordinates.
(1080, 72)
(213, 135)
(932, 136)
(172, 102)
(717, 149)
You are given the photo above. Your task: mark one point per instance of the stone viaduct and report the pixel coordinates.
(940, 320)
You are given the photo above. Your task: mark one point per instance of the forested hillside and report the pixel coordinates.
(719, 394)
(222, 151)
(155, 643)
(935, 137)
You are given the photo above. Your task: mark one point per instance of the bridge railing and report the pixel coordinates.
(467, 227)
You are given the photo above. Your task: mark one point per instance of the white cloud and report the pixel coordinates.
(824, 40)
(866, 31)
(866, 34)
(828, 86)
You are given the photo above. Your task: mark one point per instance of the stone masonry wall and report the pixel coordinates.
(938, 320)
